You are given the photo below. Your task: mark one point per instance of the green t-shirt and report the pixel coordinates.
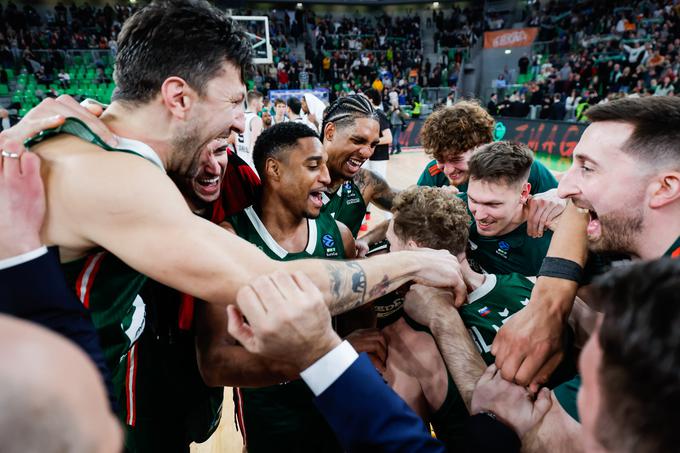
(511, 252)
(540, 178)
(347, 205)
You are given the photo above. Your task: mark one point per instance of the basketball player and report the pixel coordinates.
(625, 172)
(451, 134)
(285, 222)
(427, 216)
(494, 301)
(350, 134)
(497, 196)
(132, 221)
(252, 128)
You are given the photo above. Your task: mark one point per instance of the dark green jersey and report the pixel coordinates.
(347, 205)
(540, 178)
(107, 287)
(324, 239)
(491, 305)
(674, 250)
(433, 176)
(511, 252)
(283, 417)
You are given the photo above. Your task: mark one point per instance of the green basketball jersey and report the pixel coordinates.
(324, 238)
(283, 417)
(432, 176)
(347, 205)
(491, 305)
(106, 286)
(511, 252)
(540, 178)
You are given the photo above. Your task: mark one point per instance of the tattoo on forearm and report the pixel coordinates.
(348, 285)
(380, 289)
(382, 195)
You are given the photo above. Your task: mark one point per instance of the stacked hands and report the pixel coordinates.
(287, 318)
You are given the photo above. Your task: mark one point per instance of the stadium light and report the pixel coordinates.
(435, 5)
(298, 5)
(508, 51)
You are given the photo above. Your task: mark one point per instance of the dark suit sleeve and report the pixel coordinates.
(37, 291)
(369, 416)
(487, 435)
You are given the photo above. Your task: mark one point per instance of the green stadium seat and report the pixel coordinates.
(4, 90)
(10, 74)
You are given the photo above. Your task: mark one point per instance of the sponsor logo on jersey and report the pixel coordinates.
(484, 311)
(328, 240)
(503, 249)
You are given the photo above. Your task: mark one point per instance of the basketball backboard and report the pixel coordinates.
(257, 29)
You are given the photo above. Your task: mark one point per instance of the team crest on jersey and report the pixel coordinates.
(347, 186)
(484, 311)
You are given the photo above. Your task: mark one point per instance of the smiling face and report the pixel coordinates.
(349, 146)
(496, 206)
(302, 176)
(611, 184)
(204, 187)
(213, 115)
(455, 167)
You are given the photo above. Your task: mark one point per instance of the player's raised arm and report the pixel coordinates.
(150, 227)
(528, 347)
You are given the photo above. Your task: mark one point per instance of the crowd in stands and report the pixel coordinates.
(592, 53)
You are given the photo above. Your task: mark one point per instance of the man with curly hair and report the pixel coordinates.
(431, 217)
(452, 134)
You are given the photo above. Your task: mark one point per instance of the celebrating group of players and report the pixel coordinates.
(465, 301)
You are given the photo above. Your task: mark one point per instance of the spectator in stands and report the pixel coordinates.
(558, 110)
(492, 106)
(523, 64)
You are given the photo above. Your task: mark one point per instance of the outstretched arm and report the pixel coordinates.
(375, 189)
(134, 211)
(528, 347)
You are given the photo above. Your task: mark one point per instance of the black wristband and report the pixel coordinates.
(561, 268)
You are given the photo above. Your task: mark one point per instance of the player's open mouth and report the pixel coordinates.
(316, 197)
(594, 228)
(354, 164)
(209, 185)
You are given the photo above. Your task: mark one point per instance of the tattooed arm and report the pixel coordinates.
(349, 284)
(375, 189)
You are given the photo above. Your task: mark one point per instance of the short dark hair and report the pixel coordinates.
(294, 104)
(656, 122)
(346, 110)
(277, 139)
(185, 38)
(278, 101)
(374, 96)
(507, 162)
(640, 370)
(252, 95)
